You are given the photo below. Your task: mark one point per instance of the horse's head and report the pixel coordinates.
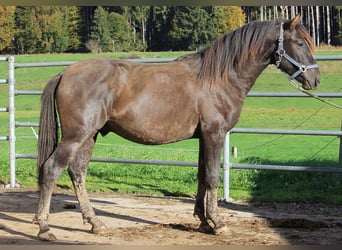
(294, 54)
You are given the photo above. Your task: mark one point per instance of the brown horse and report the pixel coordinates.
(195, 96)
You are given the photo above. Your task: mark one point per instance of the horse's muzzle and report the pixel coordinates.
(311, 84)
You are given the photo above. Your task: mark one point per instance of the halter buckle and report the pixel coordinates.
(303, 68)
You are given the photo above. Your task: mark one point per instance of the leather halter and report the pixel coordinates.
(282, 54)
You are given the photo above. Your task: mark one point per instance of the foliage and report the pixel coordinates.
(100, 29)
(229, 18)
(111, 31)
(74, 28)
(42, 29)
(28, 33)
(119, 30)
(191, 27)
(56, 29)
(7, 27)
(339, 34)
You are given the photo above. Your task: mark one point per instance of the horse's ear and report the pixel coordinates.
(293, 23)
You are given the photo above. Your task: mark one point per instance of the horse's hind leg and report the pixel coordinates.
(51, 170)
(77, 171)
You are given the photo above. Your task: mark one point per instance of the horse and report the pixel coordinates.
(199, 95)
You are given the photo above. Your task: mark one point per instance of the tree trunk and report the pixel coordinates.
(275, 12)
(317, 26)
(328, 25)
(293, 12)
(143, 25)
(313, 24)
(286, 12)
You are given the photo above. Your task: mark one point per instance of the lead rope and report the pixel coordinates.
(298, 87)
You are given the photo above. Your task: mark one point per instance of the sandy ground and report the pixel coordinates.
(145, 220)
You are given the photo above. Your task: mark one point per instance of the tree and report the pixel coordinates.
(158, 26)
(136, 17)
(229, 18)
(119, 30)
(28, 31)
(100, 29)
(42, 29)
(192, 27)
(74, 29)
(339, 34)
(7, 27)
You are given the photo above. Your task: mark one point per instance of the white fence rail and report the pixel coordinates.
(226, 164)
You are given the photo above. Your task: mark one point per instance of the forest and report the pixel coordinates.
(71, 29)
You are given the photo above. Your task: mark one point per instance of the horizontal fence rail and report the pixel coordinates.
(226, 165)
(195, 164)
(245, 130)
(251, 94)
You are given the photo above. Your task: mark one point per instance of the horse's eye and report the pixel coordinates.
(300, 43)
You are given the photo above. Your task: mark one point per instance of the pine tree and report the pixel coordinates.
(28, 32)
(100, 29)
(74, 28)
(189, 30)
(159, 24)
(119, 30)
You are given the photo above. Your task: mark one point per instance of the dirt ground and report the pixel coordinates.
(145, 220)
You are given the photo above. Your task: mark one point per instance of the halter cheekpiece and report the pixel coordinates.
(282, 53)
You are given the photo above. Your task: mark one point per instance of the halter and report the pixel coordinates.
(282, 53)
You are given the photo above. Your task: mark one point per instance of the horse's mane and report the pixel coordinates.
(239, 46)
(233, 49)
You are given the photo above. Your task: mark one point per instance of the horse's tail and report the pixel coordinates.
(48, 125)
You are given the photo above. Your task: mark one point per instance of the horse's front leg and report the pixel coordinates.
(208, 180)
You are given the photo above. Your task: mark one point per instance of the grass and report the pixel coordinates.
(281, 113)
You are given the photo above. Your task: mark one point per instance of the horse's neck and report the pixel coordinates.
(245, 75)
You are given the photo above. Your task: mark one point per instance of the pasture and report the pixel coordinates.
(280, 113)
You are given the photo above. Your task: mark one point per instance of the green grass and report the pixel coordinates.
(280, 113)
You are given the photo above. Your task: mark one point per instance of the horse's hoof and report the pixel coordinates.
(103, 231)
(205, 228)
(47, 236)
(222, 229)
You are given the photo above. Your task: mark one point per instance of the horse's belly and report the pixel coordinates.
(151, 132)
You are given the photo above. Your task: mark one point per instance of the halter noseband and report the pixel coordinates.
(282, 53)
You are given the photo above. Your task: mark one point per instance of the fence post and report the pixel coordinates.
(226, 167)
(11, 110)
